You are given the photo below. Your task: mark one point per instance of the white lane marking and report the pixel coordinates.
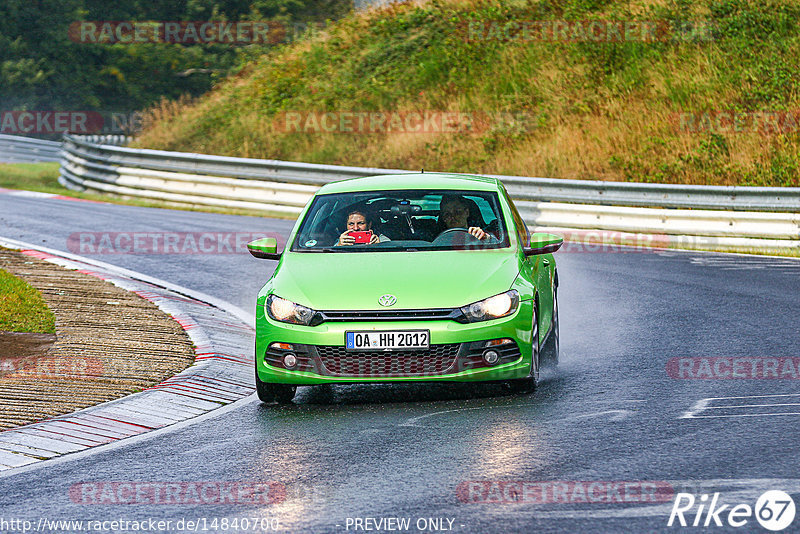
(31, 194)
(758, 396)
(707, 404)
(753, 405)
(246, 317)
(698, 407)
(412, 421)
(745, 415)
(712, 255)
(618, 415)
(733, 262)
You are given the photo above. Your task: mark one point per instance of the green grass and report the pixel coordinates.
(31, 177)
(596, 110)
(22, 308)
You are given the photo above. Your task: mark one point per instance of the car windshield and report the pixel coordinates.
(411, 220)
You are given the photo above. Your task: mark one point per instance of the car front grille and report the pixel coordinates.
(336, 361)
(433, 314)
(438, 359)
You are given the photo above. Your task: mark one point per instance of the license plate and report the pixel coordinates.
(387, 340)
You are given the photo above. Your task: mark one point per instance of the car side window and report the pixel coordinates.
(485, 207)
(522, 229)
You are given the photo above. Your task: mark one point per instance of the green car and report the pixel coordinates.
(407, 278)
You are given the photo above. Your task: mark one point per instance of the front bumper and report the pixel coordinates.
(455, 352)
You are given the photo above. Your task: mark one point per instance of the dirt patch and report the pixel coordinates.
(109, 343)
(20, 350)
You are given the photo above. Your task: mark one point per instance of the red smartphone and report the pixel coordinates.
(362, 237)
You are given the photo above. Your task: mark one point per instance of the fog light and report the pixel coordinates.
(491, 357)
(289, 361)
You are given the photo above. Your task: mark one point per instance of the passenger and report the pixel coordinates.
(454, 213)
(357, 221)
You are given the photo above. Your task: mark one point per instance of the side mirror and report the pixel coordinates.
(543, 244)
(264, 249)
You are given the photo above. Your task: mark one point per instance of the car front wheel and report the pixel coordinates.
(280, 393)
(550, 351)
(528, 384)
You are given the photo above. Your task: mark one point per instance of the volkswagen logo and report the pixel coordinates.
(387, 300)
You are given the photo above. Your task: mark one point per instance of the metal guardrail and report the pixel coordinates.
(240, 168)
(19, 149)
(655, 195)
(105, 139)
(738, 217)
(523, 188)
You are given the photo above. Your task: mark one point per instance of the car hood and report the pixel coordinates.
(355, 280)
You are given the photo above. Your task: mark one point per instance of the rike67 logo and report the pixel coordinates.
(774, 510)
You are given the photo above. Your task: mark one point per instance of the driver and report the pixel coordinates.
(454, 213)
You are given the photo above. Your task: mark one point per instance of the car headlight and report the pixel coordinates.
(287, 311)
(493, 307)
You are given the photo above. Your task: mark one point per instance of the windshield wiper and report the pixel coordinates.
(337, 250)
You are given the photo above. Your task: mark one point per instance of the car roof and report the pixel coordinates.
(428, 180)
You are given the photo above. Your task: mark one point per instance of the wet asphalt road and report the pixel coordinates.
(611, 413)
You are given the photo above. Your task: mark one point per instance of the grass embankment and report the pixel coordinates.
(22, 308)
(590, 110)
(31, 177)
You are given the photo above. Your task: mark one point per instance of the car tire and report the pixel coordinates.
(528, 384)
(280, 393)
(551, 351)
